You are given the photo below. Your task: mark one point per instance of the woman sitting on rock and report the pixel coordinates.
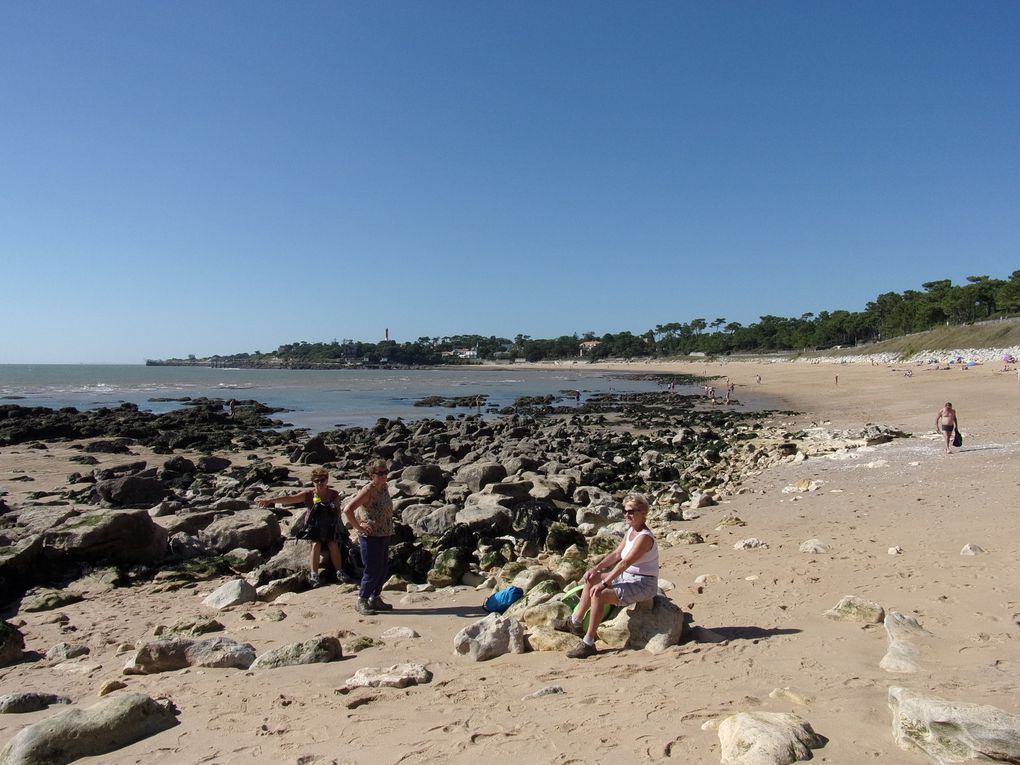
(323, 522)
(629, 574)
(374, 523)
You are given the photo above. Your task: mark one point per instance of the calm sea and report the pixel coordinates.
(318, 400)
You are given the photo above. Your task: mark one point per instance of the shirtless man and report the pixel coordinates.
(946, 423)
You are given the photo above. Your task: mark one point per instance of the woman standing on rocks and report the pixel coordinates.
(371, 515)
(631, 576)
(323, 522)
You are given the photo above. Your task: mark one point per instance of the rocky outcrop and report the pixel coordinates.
(250, 529)
(767, 738)
(315, 651)
(178, 653)
(490, 637)
(116, 536)
(948, 731)
(111, 724)
(654, 625)
(12, 643)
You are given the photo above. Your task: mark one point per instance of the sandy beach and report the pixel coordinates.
(769, 646)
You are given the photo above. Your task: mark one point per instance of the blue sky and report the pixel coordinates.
(216, 177)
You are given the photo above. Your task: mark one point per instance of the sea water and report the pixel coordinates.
(314, 399)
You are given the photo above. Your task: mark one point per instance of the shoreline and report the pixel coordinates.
(772, 651)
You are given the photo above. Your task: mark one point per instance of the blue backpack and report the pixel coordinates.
(498, 602)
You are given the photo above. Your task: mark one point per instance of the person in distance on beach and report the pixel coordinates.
(629, 574)
(323, 522)
(946, 423)
(370, 513)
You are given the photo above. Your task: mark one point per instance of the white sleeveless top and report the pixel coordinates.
(647, 564)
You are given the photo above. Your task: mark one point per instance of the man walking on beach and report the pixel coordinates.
(946, 423)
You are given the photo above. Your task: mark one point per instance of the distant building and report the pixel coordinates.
(588, 346)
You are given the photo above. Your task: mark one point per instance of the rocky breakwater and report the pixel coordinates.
(477, 500)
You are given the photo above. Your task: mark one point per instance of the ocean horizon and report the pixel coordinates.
(315, 399)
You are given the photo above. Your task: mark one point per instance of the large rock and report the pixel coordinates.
(480, 474)
(178, 653)
(948, 731)
(117, 536)
(544, 638)
(767, 738)
(233, 593)
(488, 513)
(653, 625)
(906, 637)
(132, 491)
(292, 559)
(490, 637)
(429, 519)
(111, 724)
(20, 703)
(854, 609)
(12, 643)
(250, 529)
(315, 651)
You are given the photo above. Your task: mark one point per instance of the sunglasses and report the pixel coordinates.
(319, 480)
(380, 472)
(631, 511)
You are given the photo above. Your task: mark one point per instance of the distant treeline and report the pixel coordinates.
(890, 315)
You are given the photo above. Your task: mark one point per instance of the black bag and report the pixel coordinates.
(957, 438)
(304, 527)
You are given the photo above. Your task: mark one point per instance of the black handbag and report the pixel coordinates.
(957, 438)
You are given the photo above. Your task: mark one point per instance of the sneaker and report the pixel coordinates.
(379, 604)
(363, 607)
(582, 651)
(344, 578)
(574, 628)
(313, 580)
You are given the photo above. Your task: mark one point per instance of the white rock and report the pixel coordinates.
(490, 637)
(397, 676)
(232, 593)
(969, 549)
(814, 547)
(751, 543)
(897, 550)
(399, 633)
(766, 738)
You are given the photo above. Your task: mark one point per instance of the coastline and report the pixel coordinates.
(773, 649)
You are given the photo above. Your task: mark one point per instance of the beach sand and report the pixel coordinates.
(632, 706)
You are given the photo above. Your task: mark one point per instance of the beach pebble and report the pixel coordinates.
(65, 651)
(706, 579)
(897, 550)
(110, 686)
(397, 633)
(801, 486)
(785, 694)
(752, 578)
(547, 691)
(751, 543)
(814, 546)
(411, 587)
(969, 549)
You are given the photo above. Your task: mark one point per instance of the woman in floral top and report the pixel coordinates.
(371, 514)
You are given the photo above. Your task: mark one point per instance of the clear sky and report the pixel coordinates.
(215, 177)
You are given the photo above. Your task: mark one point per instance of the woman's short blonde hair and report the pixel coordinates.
(377, 466)
(640, 501)
(320, 472)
